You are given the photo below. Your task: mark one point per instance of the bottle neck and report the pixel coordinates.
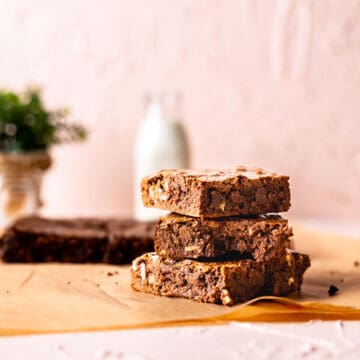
(164, 107)
(154, 112)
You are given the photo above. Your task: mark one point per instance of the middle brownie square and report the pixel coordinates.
(260, 238)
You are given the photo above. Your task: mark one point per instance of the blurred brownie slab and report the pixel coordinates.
(35, 239)
(224, 283)
(128, 239)
(260, 238)
(212, 194)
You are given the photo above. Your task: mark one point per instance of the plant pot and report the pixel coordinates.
(20, 184)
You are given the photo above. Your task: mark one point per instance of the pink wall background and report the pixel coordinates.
(270, 83)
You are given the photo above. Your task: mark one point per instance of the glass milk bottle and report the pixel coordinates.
(161, 143)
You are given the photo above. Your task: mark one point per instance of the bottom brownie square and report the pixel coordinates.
(226, 283)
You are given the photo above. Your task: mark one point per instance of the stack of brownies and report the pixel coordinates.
(222, 243)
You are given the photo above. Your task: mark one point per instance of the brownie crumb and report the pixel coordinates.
(110, 273)
(332, 290)
(356, 263)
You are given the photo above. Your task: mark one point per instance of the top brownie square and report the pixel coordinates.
(212, 194)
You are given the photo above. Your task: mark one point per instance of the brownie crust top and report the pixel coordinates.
(229, 175)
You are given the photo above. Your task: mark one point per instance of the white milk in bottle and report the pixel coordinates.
(161, 143)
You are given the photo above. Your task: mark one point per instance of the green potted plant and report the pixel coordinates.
(27, 131)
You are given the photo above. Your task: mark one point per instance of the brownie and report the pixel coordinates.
(260, 238)
(35, 239)
(212, 194)
(285, 275)
(224, 283)
(128, 239)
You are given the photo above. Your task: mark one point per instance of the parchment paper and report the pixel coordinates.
(63, 297)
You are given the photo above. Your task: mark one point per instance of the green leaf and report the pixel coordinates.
(26, 124)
